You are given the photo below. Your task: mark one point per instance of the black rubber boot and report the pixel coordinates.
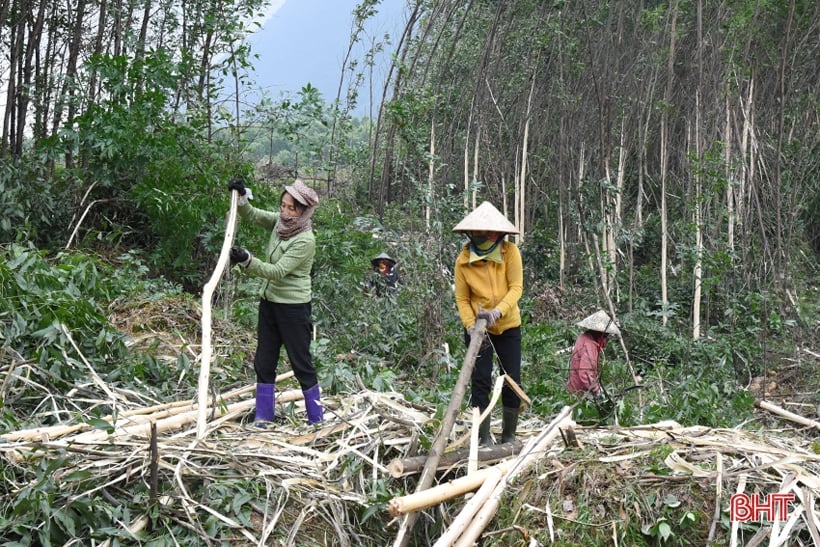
(484, 436)
(509, 424)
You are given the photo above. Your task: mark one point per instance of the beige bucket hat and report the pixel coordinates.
(486, 217)
(302, 193)
(601, 322)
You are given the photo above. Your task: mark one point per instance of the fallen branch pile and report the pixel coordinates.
(318, 481)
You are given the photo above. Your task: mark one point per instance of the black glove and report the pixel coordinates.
(240, 256)
(237, 184)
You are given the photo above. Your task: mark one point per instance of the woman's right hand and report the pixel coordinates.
(237, 184)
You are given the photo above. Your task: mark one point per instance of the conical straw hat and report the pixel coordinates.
(486, 217)
(601, 322)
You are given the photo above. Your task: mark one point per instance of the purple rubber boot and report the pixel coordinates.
(315, 412)
(265, 399)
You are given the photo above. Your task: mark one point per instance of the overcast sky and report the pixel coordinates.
(306, 40)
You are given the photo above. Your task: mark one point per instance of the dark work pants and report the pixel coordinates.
(507, 346)
(288, 325)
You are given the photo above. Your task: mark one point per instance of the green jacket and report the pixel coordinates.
(287, 263)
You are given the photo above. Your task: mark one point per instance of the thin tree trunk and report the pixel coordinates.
(98, 48)
(698, 269)
(730, 192)
(467, 164)
(780, 253)
(562, 245)
(617, 212)
(16, 38)
(430, 174)
(475, 162)
(520, 190)
(670, 74)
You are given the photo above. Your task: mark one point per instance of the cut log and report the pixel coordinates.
(448, 490)
(125, 418)
(782, 412)
(402, 467)
(472, 460)
(467, 526)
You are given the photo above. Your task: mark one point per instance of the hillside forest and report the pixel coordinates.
(660, 159)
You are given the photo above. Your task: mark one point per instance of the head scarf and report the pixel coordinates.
(289, 226)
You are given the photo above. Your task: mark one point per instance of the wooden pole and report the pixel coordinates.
(207, 297)
(437, 449)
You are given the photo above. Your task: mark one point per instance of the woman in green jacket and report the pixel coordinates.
(285, 303)
(489, 281)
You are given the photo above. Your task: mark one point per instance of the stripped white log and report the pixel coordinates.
(473, 524)
(471, 508)
(445, 491)
(472, 462)
(796, 418)
(207, 297)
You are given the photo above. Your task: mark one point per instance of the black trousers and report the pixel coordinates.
(507, 346)
(286, 325)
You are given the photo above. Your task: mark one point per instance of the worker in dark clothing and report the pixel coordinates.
(384, 276)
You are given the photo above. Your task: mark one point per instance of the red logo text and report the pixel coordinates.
(771, 507)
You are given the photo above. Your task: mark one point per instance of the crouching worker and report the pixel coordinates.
(489, 281)
(384, 277)
(284, 307)
(585, 363)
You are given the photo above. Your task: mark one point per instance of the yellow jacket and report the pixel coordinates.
(490, 285)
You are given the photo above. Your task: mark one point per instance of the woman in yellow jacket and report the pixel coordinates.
(489, 280)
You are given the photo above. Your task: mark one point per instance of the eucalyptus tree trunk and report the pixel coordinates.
(102, 27)
(617, 213)
(698, 267)
(520, 190)
(730, 178)
(783, 91)
(474, 194)
(430, 175)
(466, 174)
(16, 42)
(670, 75)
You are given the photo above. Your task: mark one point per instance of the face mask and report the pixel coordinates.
(480, 241)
